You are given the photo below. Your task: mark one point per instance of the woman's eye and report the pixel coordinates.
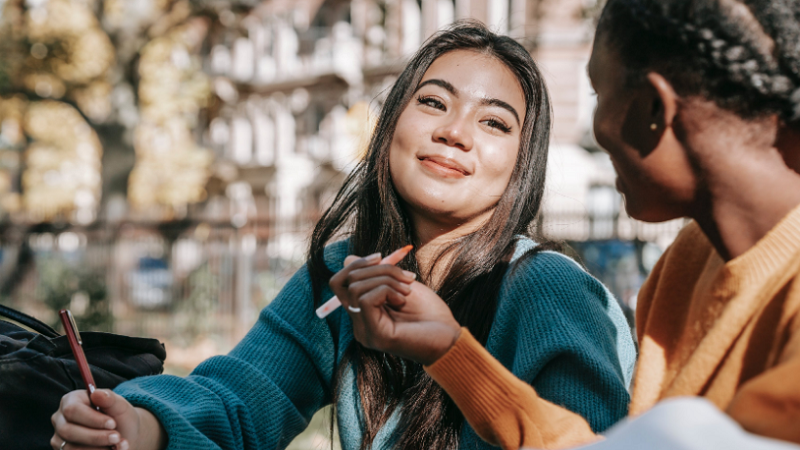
(430, 101)
(497, 124)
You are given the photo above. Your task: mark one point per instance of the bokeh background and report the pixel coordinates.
(162, 162)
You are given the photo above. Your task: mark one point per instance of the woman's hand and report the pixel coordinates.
(398, 315)
(119, 424)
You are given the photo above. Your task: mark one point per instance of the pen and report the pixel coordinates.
(394, 258)
(74, 338)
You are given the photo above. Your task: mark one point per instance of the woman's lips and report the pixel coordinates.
(443, 167)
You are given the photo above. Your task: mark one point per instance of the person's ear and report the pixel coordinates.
(665, 102)
(651, 111)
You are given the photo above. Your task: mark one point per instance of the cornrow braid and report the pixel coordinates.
(744, 55)
(780, 19)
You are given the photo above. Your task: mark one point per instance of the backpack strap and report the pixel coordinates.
(28, 321)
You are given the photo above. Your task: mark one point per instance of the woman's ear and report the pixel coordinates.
(650, 113)
(665, 102)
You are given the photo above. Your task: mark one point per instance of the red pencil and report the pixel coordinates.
(74, 338)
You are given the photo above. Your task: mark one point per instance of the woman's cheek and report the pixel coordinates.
(499, 163)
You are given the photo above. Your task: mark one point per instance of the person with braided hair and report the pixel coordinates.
(699, 109)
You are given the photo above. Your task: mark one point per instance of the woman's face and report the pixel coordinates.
(654, 174)
(456, 143)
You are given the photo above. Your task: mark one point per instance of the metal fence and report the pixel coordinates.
(181, 281)
(174, 281)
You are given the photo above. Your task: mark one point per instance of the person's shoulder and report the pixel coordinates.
(690, 241)
(542, 280)
(686, 257)
(530, 264)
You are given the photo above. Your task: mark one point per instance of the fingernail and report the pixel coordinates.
(411, 275)
(110, 424)
(122, 446)
(113, 438)
(373, 257)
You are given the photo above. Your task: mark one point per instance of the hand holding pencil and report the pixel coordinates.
(391, 312)
(334, 302)
(99, 418)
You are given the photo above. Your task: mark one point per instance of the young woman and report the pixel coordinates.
(456, 168)
(699, 108)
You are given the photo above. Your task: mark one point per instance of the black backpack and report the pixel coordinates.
(37, 369)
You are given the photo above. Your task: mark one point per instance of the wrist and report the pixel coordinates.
(454, 332)
(152, 435)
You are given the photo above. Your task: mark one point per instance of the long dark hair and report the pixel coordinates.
(369, 208)
(742, 54)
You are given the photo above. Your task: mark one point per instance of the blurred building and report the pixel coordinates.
(299, 85)
(171, 156)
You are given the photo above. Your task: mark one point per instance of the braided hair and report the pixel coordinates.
(742, 54)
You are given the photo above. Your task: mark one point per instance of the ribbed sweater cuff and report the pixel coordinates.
(477, 382)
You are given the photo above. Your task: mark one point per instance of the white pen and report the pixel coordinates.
(331, 305)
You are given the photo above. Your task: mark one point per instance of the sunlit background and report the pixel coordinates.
(162, 162)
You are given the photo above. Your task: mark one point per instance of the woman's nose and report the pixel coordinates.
(454, 132)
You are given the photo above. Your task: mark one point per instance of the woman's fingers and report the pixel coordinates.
(381, 270)
(358, 288)
(82, 426)
(371, 327)
(112, 404)
(350, 259)
(55, 443)
(339, 281)
(77, 409)
(78, 435)
(381, 295)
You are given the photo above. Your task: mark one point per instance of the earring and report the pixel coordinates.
(653, 126)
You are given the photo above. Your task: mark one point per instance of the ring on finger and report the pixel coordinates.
(63, 444)
(354, 309)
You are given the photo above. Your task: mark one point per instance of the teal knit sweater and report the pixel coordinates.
(556, 327)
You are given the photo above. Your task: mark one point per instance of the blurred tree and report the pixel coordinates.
(63, 285)
(100, 98)
(126, 79)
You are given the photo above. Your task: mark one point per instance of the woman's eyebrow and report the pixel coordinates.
(501, 104)
(484, 102)
(441, 83)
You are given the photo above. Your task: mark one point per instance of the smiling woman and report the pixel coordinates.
(456, 144)
(455, 167)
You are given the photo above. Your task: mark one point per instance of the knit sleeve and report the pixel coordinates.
(563, 336)
(260, 395)
(769, 403)
(501, 408)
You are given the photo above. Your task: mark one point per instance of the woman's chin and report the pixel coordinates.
(648, 211)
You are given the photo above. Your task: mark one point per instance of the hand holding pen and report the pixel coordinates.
(99, 418)
(394, 258)
(76, 344)
(391, 312)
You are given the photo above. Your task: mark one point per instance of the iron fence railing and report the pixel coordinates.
(182, 280)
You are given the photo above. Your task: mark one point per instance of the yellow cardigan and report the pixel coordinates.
(729, 332)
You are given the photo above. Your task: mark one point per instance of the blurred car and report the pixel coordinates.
(150, 284)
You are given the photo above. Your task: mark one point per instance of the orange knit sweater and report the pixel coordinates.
(729, 332)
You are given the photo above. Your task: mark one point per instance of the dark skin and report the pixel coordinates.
(413, 322)
(737, 178)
